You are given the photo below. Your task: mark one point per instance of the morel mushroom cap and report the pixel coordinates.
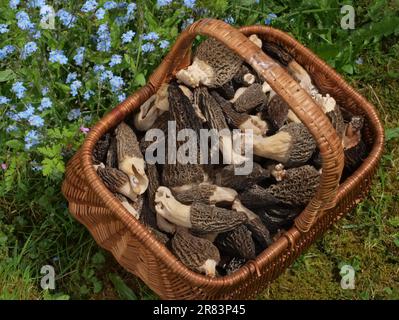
(233, 265)
(112, 154)
(226, 177)
(213, 65)
(101, 148)
(227, 90)
(297, 189)
(250, 98)
(196, 253)
(237, 242)
(354, 147)
(207, 193)
(239, 120)
(116, 181)
(130, 159)
(181, 111)
(333, 112)
(160, 236)
(276, 112)
(277, 52)
(199, 217)
(292, 145)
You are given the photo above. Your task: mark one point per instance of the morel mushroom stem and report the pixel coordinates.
(207, 193)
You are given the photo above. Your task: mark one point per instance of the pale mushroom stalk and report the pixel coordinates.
(130, 159)
(207, 193)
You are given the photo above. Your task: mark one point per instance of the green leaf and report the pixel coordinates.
(348, 68)
(15, 144)
(394, 221)
(7, 75)
(98, 258)
(139, 79)
(123, 290)
(391, 133)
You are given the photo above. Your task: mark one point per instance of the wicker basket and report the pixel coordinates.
(140, 253)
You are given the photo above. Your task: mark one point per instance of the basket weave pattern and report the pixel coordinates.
(140, 253)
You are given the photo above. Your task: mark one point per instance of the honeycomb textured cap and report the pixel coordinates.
(193, 251)
(224, 62)
(237, 242)
(298, 187)
(251, 98)
(205, 218)
(303, 144)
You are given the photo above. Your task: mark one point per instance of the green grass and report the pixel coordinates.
(36, 228)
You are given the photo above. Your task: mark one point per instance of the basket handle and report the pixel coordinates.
(284, 85)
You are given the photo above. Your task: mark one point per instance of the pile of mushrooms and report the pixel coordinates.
(213, 220)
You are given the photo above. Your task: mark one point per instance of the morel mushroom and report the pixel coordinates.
(116, 181)
(354, 147)
(112, 154)
(181, 111)
(130, 159)
(213, 65)
(276, 112)
(296, 189)
(241, 120)
(226, 177)
(207, 193)
(292, 145)
(101, 148)
(233, 265)
(198, 216)
(249, 98)
(237, 242)
(196, 253)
